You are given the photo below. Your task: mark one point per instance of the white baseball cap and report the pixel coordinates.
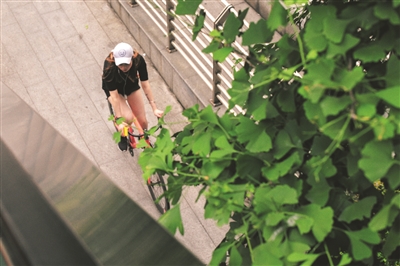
(123, 53)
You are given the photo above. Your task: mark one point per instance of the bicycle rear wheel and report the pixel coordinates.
(157, 188)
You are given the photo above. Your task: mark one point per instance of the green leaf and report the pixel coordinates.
(117, 137)
(285, 100)
(315, 41)
(383, 218)
(392, 72)
(222, 143)
(347, 43)
(358, 210)
(319, 191)
(359, 249)
(221, 54)
(370, 53)
(207, 114)
(261, 204)
(304, 223)
(314, 113)
(263, 256)
(392, 240)
(274, 218)
(366, 111)
(334, 29)
(279, 169)
(282, 144)
(231, 28)
(277, 17)
(390, 95)
(345, 260)
(320, 144)
(393, 176)
(367, 236)
(187, 7)
(257, 33)
(281, 195)
(248, 166)
(256, 138)
(172, 220)
(213, 169)
(383, 128)
(386, 11)
(259, 107)
(235, 258)
(333, 105)
(376, 159)
(240, 88)
(349, 79)
(319, 168)
(219, 254)
(323, 219)
(198, 24)
(202, 145)
(307, 258)
(212, 47)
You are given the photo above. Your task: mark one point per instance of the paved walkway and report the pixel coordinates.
(52, 55)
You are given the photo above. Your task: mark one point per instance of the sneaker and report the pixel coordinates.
(123, 144)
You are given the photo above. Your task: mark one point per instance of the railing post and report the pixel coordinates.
(170, 26)
(219, 21)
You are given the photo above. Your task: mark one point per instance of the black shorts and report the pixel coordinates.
(123, 91)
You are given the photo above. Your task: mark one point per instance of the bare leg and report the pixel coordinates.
(135, 101)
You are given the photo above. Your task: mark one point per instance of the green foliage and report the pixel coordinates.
(295, 175)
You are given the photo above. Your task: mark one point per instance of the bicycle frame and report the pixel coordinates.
(155, 183)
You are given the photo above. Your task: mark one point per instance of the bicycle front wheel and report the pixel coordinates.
(157, 188)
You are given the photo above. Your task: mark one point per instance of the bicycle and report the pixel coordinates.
(155, 183)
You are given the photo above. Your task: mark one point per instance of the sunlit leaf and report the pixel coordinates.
(256, 138)
(323, 219)
(359, 249)
(307, 258)
(349, 79)
(345, 260)
(371, 53)
(231, 28)
(376, 159)
(348, 42)
(257, 33)
(187, 7)
(273, 218)
(172, 220)
(235, 258)
(277, 17)
(390, 95)
(334, 29)
(221, 54)
(219, 254)
(333, 105)
(198, 24)
(383, 218)
(263, 256)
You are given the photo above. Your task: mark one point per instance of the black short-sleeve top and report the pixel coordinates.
(125, 83)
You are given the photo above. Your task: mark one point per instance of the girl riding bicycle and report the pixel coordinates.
(123, 68)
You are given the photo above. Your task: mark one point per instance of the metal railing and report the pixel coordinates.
(217, 76)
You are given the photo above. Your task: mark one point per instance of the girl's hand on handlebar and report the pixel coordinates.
(158, 113)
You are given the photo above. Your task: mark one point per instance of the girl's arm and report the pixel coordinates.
(149, 94)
